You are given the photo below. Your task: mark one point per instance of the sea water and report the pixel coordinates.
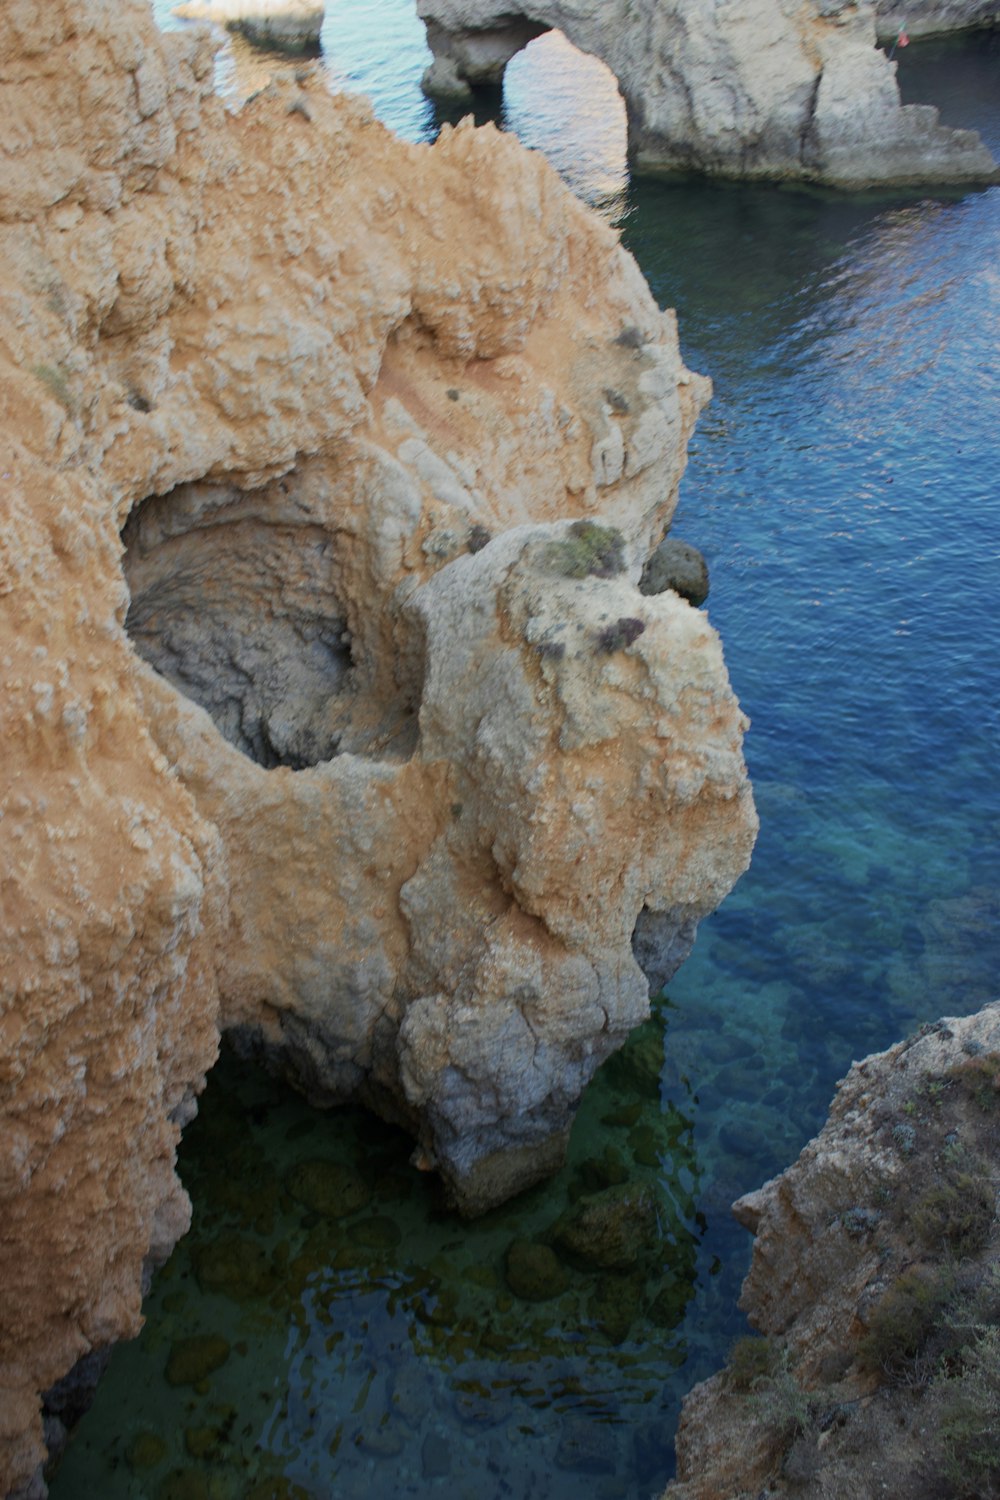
(327, 1328)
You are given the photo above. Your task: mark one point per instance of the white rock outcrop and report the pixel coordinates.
(286, 25)
(768, 89)
(933, 17)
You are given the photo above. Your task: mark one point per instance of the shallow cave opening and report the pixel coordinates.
(236, 600)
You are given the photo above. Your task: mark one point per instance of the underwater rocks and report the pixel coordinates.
(333, 714)
(874, 1286)
(765, 90)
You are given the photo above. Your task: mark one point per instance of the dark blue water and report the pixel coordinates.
(845, 486)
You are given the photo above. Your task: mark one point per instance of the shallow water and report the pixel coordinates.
(845, 486)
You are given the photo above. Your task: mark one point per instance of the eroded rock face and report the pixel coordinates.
(874, 1283)
(932, 17)
(333, 714)
(770, 89)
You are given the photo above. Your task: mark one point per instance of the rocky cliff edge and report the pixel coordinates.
(332, 714)
(875, 1287)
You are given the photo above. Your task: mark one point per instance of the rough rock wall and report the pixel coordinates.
(932, 17)
(773, 89)
(409, 757)
(875, 1283)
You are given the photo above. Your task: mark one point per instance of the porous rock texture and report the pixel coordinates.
(740, 88)
(875, 1277)
(409, 759)
(289, 25)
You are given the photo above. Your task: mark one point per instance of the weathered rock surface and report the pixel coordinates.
(409, 757)
(875, 1282)
(289, 25)
(931, 17)
(773, 89)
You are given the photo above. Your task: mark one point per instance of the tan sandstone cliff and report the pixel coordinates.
(370, 441)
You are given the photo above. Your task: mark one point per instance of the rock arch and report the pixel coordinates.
(764, 90)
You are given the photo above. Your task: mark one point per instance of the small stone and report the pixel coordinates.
(237, 1267)
(377, 1233)
(184, 1484)
(203, 1442)
(612, 1230)
(534, 1272)
(410, 1395)
(145, 1451)
(328, 1188)
(679, 566)
(193, 1359)
(435, 1456)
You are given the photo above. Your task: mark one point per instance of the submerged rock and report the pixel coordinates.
(612, 1230)
(757, 90)
(328, 1188)
(534, 1272)
(194, 1358)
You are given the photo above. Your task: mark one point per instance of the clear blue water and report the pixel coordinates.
(845, 486)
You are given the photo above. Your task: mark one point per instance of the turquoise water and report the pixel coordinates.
(845, 486)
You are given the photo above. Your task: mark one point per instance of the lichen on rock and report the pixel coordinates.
(304, 738)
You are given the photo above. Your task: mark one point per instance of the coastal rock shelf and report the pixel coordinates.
(875, 1291)
(334, 715)
(766, 90)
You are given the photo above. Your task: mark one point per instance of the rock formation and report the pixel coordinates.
(369, 442)
(287, 25)
(771, 90)
(875, 1283)
(931, 17)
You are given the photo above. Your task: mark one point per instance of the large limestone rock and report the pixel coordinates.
(288, 25)
(324, 719)
(874, 1283)
(770, 89)
(932, 17)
